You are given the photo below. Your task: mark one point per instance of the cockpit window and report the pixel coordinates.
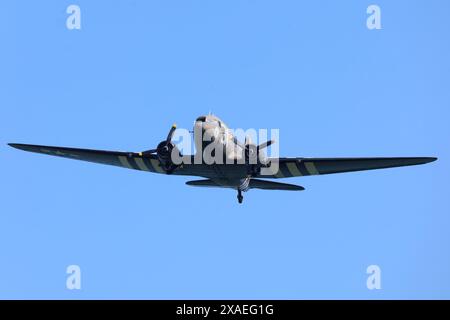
(212, 121)
(223, 125)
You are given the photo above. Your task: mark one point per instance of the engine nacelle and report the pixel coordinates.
(164, 154)
(255, 159)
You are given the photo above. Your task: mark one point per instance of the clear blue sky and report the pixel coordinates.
(310, 68)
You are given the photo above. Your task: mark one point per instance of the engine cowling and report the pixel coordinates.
(164, 152)
(255, 157)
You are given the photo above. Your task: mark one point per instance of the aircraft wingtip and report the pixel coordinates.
(19, 146)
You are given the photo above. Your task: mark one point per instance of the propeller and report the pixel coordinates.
(252, 150)
(265, 144)
(164, 151)
(171, 132)
(252, 155)
(163, 145)
(148, 152)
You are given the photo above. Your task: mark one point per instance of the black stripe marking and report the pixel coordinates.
(133, 163)
(301, 167)
(285, 170)
(149, 164)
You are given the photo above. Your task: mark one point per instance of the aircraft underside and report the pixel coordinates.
(240, 175)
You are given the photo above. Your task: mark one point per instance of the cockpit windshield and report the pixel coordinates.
(212, 120)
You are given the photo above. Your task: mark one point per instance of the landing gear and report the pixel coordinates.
(239, 196)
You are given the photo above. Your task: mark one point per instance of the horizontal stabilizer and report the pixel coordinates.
(254, 184)
(270, 185)
(204, 183)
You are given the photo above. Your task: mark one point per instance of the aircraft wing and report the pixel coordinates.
(288, 167)
(128, 160)
(295, 167)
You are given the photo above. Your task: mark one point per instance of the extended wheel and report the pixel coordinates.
(239, 196)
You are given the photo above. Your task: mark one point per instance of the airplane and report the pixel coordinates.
(240, 175)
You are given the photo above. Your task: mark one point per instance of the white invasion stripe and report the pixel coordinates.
(150, 165)
(311, 168)
(124, 161)
(155, 164)
(141, 164)
(293, 169)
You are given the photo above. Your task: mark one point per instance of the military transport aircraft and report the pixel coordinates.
(240, 175)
